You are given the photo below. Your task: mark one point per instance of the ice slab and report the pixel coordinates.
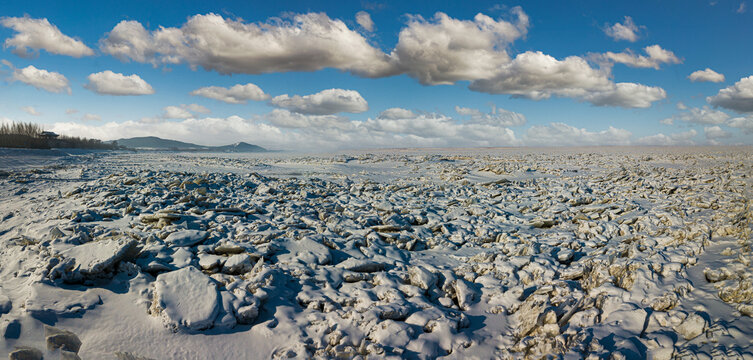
(95, 257)
(186, 299)
(186, 237)
(45, 299)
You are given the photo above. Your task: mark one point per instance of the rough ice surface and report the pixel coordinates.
(495, 253)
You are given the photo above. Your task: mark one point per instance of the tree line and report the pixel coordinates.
(29, 135)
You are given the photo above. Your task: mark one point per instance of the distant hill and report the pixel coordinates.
(155, 143)
(240, 147)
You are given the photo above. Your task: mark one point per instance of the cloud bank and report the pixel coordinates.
(395, 127)
(440, 50)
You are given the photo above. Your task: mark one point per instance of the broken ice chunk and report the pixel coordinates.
(186, 237)
(45, 299)
(5, 304)
(186, 298)
(692, 326)
(237, 264)
(422, 278)
(61, 339)
(361, 265)
(94, 258)
(210, 261)
(465, 294)
(25, 353)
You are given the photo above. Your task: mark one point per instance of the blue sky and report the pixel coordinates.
(555, 72)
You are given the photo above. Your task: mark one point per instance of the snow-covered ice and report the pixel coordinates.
(186, 298)
(417, 254)
(186, 237)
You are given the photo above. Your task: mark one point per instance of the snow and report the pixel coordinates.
(622, 252)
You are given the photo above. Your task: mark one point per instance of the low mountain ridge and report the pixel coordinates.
(156, 143)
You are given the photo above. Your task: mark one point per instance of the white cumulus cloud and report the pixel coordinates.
(325, 102)
(704, 115)
(738, 97)
(42, 79)
(706, 75)
(237, 94)
(743, 123)
(656, 57)
(445, 50)
(627, 30)
(303, 42)
(537, 76)
(129, 40)
(111, 83)
(397, 113)
(364, 19)
(33, 35)
(197, 108)
(627, 95)
(715, 132)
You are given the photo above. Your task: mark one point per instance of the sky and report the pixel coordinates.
(334, 75)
